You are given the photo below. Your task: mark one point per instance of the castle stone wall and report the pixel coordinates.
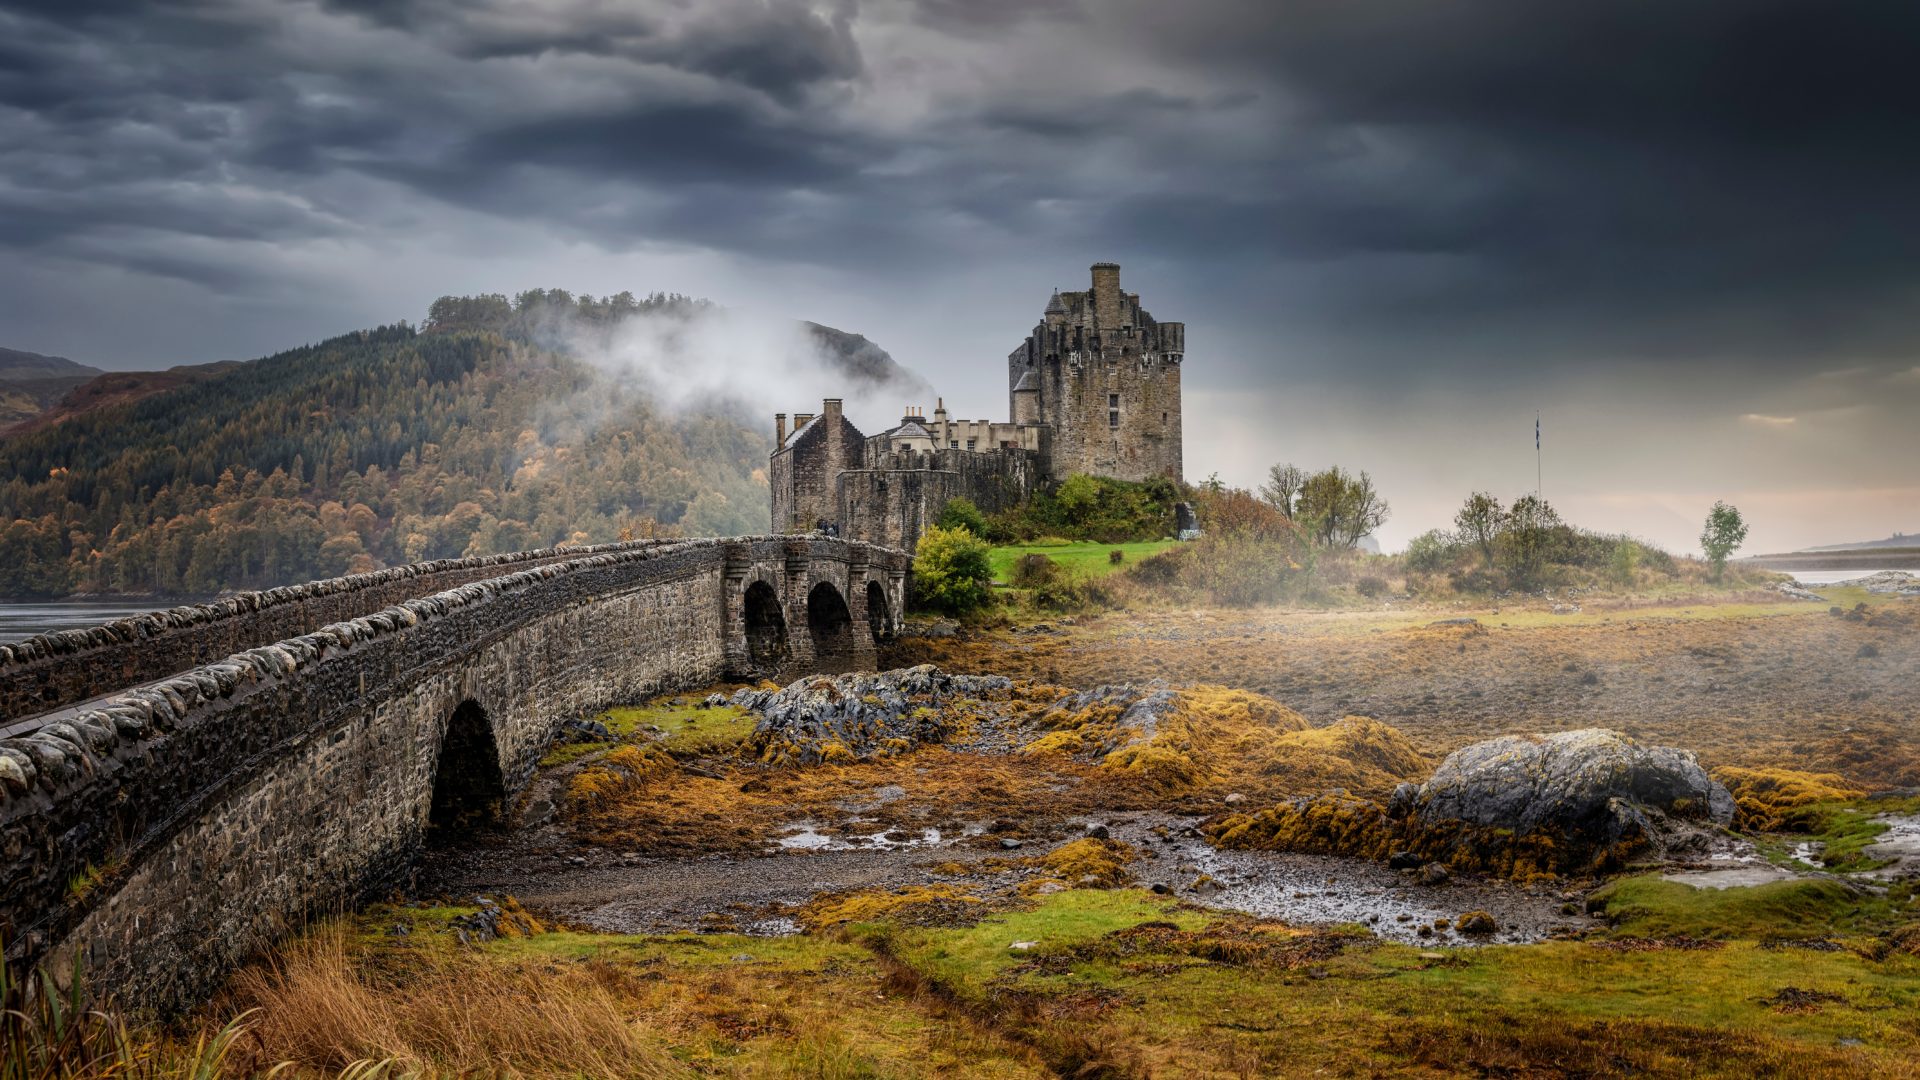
(892, 502)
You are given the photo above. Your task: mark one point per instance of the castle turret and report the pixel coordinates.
(1026, 399)
(1056, 310)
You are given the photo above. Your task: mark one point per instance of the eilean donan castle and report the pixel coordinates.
(1095, 388)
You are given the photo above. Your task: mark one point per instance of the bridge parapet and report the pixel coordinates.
(69, 666)
(169, 832)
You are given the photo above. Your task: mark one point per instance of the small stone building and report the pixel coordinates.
(1094, 389)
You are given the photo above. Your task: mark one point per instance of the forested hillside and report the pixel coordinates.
(474, 435)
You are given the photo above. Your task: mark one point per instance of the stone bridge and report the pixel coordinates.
(178, 789)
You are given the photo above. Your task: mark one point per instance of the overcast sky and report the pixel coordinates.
(1686, 233)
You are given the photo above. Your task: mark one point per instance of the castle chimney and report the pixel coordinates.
(800, 420)
(1107, 296)
(830, 408)
(779, 430)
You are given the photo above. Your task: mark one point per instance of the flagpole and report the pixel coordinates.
(1536, 457)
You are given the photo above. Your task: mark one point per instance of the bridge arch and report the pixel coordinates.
(830, 624)
(767, 647)
(469, 786)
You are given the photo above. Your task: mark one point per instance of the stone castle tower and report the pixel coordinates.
(1095, 389)
(1104, 377)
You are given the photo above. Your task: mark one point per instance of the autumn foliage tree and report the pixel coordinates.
(474, 436)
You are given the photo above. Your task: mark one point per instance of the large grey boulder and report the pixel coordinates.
(1590, 792)
(849, 717)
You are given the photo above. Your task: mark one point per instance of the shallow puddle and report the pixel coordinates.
(1900, 845)
(1735, 877)
(1326, 889)
(806, 836)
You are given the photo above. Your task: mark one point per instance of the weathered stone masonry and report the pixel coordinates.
(68, 666)
(220, 806)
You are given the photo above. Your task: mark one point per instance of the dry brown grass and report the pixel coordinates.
(446, 1015)
(1741, 684)
(751, 804)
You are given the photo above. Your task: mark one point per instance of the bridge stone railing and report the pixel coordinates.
(62, 668)
(173, 830)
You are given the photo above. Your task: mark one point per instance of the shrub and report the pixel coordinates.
(951, 572)
(1431, 552)
(1624, 563)
(1092, 508)
(1068, 594)
(1032, 570)
(960, 513)
(1116, 557)
(1370, 586)
(1530, 540)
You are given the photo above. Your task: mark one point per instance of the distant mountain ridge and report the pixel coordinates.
(18, 364)
(1897, 540)
(32, 383)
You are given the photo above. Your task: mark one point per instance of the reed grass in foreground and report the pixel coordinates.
(1114, 983)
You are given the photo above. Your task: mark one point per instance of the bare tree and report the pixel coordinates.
(1283, 486)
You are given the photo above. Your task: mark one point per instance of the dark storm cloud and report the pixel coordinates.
(1622, 174)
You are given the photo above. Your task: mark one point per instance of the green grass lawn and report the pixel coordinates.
(689, 730)
(1081, 558)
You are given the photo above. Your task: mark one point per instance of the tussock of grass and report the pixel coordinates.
(1328, 825)
(903, 904)
(1089, 863)
(447, 1014)
(624, 771)
(1212, 736)
(1355, 752)
(1782, 800)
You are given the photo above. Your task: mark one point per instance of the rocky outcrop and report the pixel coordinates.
(1592, 781)
(1573, 802)
(850, 717)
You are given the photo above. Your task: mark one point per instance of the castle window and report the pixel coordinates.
(954, 444)
(1113, 410)
(971, 442)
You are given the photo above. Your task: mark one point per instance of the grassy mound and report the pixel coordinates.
(1325, 825)
(1782, 800)
(623, 771)
(907, 905)
(1088, 863)
(1811, 908)
(1212, 736)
